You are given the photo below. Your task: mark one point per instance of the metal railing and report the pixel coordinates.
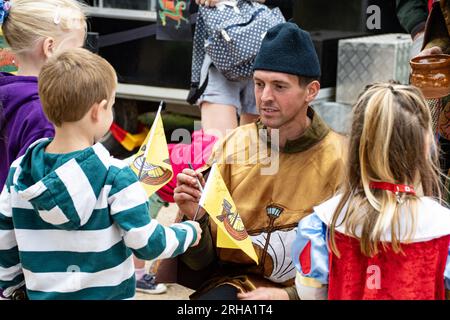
(122, 4)
(113, 10)
(178, 96)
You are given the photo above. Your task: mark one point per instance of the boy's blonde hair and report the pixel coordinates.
(72, 82)
(29, 21)
(391, 141)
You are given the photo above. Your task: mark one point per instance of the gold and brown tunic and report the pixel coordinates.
(272, 192)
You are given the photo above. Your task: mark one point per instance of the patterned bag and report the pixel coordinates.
(231, 34)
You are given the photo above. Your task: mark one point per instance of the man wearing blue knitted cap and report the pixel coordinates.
(309, 167)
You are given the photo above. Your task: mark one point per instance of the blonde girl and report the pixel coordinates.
(384, 236)
(34, 30)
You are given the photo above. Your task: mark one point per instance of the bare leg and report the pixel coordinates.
(138, 263)
(218, 118)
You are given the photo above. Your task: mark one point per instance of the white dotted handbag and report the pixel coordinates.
(231, 34)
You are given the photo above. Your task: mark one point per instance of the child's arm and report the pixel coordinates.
(447, 276)
(310, 257)
(145, 236)
(204, 254)
(11, 275)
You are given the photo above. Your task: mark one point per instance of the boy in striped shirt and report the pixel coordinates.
(71, 216)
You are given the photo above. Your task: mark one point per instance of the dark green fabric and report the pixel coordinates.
(288, 49)
(412, 13)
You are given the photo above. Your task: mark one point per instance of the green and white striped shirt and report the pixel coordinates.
(70, 223)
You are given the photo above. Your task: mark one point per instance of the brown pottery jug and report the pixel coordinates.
(432, 75)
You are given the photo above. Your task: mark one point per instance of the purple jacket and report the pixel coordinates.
(22, 120)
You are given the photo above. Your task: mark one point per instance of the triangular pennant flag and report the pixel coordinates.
(217, 202)
(151, 163)
(224, 240)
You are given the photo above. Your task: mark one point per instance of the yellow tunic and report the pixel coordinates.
(272, 192)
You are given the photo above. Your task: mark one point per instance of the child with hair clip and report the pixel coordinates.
(35, 30)
(384, 236)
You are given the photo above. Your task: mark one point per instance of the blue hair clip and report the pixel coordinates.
(5, 6)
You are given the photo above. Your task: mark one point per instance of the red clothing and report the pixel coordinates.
(197, 153)
(417, 274)
(420, 271)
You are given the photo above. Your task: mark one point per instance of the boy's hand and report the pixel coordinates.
(196, 225)
(187, 193)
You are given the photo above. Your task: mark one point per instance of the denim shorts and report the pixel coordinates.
(220, 90)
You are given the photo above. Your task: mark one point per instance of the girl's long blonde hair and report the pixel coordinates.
(391, 141)
(29, 21)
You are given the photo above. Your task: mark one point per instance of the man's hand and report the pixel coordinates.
(187, 193)
(263, 293)
(430, 51)
(196, 225)
(207, 3)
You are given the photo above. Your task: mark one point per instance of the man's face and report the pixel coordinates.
(280, 99)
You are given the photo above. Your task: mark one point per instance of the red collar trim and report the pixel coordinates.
(394, 188)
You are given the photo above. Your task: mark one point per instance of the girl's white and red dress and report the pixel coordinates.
(420, 271)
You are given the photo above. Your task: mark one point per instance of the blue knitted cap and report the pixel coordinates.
(288, 49)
